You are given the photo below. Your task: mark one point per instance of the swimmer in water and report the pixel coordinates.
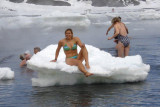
(36, 50)
(24, 57)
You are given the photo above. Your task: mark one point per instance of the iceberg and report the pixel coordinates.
(6, 73)
(105, 67)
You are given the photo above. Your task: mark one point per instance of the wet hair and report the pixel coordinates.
(119, 18)
(37, 48)
(115, 19)
(69, 30)
(22, 56)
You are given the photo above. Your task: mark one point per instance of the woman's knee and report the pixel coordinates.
(83, 49)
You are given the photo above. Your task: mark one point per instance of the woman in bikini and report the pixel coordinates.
(69, 44)
(121, 32)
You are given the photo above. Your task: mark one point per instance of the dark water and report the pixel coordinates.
(19, 92)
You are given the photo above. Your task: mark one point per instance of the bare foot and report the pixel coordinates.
(87, 74)
(87, 66)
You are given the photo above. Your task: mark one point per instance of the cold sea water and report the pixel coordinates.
(19, 92)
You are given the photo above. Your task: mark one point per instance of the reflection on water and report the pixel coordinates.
(6, 82)
(89, 95)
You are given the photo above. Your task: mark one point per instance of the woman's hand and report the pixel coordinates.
(106, 33)
(83, 45)
(109, 38)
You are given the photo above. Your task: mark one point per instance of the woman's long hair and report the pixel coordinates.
(115, 19)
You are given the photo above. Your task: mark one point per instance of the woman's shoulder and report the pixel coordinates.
(115, 24)
(62, 40)
(76, 38)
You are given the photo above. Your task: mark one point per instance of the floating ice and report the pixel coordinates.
(6, 73)
(106, 68)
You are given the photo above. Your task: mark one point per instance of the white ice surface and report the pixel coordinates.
(79, 14)
(6, 73)
(105, 67)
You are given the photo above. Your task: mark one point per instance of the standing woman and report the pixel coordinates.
(69, 44)
(121, 32)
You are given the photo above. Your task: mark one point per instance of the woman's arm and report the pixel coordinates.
(116, 32)
(78, 41)
(109, 29)
(23, 63)
(126, 28)
(57, 51)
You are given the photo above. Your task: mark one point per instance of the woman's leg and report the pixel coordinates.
(120, 48)
(126, 51)
(83, 55)
(71, 61)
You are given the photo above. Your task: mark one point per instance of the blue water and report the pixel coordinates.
(19, 92)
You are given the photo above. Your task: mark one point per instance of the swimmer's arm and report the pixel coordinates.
(116, 32)
(23, 63)
(78, 41)
(109, 29)
(57, 51)
(126, 28)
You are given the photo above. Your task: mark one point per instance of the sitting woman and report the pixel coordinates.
(69, 44)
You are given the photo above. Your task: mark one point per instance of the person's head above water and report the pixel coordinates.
(119, 18)
(36, 49)
(25, 56)
(22, 56)
(115, 19)
(69, 34)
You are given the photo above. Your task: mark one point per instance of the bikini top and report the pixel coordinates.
(66, 48)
